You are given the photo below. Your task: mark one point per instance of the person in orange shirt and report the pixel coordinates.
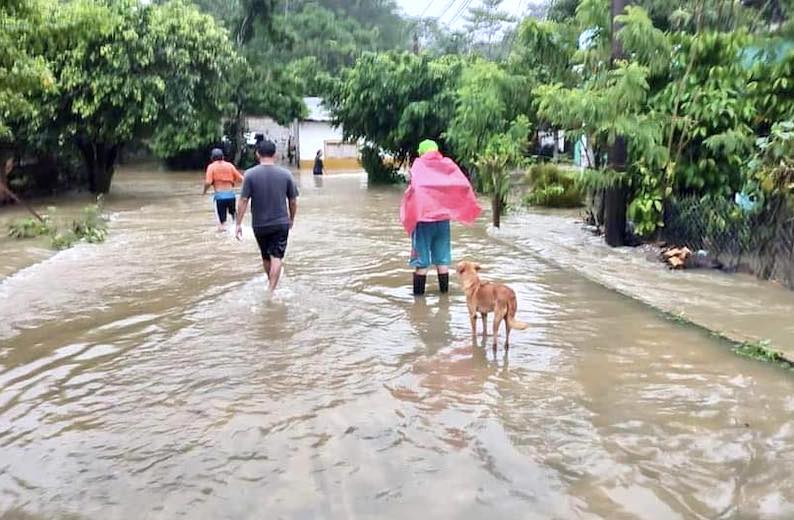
(222, 176)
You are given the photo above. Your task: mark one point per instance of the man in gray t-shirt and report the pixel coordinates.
(273, 195)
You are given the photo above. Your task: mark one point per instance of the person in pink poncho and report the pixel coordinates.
(438, 193)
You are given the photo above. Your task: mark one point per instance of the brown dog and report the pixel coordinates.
(485, 297)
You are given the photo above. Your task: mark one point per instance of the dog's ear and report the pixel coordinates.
(460, 267)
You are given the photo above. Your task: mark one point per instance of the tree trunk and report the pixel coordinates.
(615, 215)
(6, 165)
(496, 209)
(239, 135)
(100, 162)
(615, 196)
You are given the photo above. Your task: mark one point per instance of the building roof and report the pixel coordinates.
(317, 112)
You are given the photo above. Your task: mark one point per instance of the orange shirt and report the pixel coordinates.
(223, 175)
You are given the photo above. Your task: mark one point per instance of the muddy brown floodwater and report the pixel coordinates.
(147, 378)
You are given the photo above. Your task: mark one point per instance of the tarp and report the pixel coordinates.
(438, 191)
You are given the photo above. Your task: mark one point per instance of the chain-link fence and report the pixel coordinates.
(760, 242)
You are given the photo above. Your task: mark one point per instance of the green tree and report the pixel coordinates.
(679, 14)
(438, 40)
(562, 10)
(503, 152)
(260, 81)
(488, 101)
(690, 101)
(486, 22)
(544, 51)
(333, 40)
(124, 70)
(383, 16)
(610, 102)
(22, 73)
(196, 58)
(395, 100)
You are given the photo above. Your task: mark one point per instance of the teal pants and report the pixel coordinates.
(431, 245)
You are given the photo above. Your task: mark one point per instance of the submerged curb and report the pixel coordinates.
(779, 357)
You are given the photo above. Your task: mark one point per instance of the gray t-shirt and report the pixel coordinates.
(269, 187)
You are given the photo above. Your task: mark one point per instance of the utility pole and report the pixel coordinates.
(615, 196)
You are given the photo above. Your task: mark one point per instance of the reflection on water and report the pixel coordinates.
(432, 322)
(148, 377)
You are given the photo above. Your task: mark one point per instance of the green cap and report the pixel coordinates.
(427, 146)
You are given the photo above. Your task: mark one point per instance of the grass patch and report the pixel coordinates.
(760, 350)
(30, 228)
(90, 226)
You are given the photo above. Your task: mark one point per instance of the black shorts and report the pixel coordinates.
(272, 240)
(223, 206)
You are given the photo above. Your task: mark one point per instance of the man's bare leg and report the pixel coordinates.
(266, 265)
(275, 272)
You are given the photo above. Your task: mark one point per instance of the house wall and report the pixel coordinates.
(320, 135)
(272, 131)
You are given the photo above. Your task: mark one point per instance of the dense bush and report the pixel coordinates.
(193, 159)
(552, 187)
(378, 170)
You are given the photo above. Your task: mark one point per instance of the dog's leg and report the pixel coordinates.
(473, 319)
(497, 321)
(484, 325)
(507, 334)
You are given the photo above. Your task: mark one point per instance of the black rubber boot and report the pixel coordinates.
(443, 282)
(420, 280)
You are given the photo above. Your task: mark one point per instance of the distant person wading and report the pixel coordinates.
(222, 176)
(273, 195)
(318, 163)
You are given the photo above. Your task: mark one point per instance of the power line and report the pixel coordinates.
(447, 8)
(463, 7)
(429, 4)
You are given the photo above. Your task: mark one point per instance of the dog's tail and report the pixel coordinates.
(512, 322)
(515, 324)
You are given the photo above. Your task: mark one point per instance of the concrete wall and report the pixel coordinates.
(320, 135)
(313, 135)
(271, 130)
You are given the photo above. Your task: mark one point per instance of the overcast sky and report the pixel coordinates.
(447, 10)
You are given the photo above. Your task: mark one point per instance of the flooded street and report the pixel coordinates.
(147, 378)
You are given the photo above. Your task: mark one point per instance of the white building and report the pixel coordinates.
(316, 132)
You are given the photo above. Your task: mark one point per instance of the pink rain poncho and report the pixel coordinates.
(438, 191)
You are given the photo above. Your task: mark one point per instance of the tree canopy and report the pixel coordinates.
(124, 71)
(395, 100)
(22, 72)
